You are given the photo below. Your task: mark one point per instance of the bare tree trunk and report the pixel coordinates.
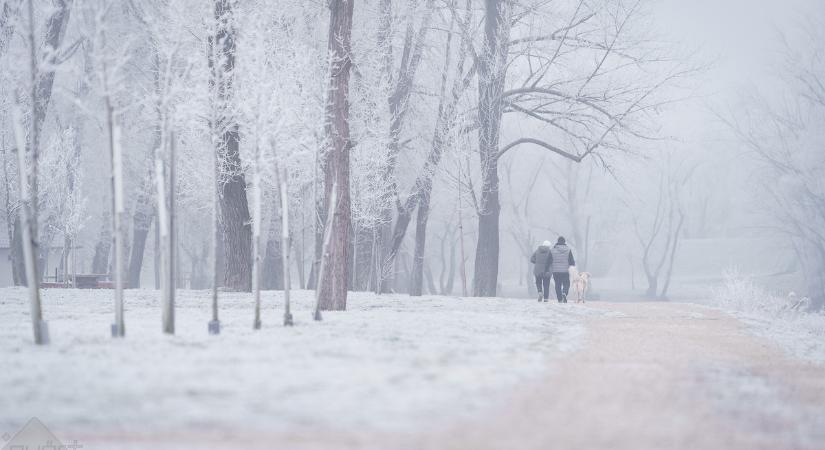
(428, 274)
(12, 219)
(423, 183)
(18, 266)
(69, 231)
(141, 223)
(172, 249)
(235, 219)
(320, 221)
(166, 212)
(815, 280)
(273, 271)
(417, 275)
(416, 279)
(285, 242)
(652, 285)
(157, 253)
(447, 289)
(257, 209)
(41, 92)
(214, 325)
(363, 257)
(333, 286)
(398, 102)
(29, 243)
(115, 156)
(8, 16)
(673, 250)
(44, 244)
(100, 261)
(144, 207)
(492, 70)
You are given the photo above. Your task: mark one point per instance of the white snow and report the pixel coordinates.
(388, 363)
(800, 333)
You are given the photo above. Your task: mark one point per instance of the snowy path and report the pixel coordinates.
(661, 376)
(649, 376)
(396, 373)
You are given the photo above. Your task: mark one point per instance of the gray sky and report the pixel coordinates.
(739, 35)
(739, 38)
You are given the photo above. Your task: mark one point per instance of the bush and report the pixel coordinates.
(741, 293)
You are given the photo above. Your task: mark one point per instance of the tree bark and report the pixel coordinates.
(447, 267)
(492, 71)
(100, 262)
(428, 275)
(652, 285)
(18, 267)
(273, 270)
(417, 276)
(8, 14)
(444, 121)
(141, 223)
(363, 259)
(398, 103)
(673, 250)
(55, 30)
(234, 207)
(332, 287)
(41, 96)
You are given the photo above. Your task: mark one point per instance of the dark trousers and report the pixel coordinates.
(562, 280)
(543, 285)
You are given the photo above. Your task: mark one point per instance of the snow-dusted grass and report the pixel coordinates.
(389, 362)
(773, 316)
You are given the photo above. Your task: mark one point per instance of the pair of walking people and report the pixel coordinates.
(553, 262)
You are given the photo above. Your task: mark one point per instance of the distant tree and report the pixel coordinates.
(659, 228)
(785, 138)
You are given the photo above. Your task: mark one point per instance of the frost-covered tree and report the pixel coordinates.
(784, 134)
(582, 77)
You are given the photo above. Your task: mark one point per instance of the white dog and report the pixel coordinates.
(579, 282)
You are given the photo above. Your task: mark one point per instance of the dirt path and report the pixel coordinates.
(660, 376)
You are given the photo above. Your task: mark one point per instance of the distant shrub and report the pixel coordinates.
(786, 318)
(741, 293)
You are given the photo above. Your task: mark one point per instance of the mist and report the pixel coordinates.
(409, 169)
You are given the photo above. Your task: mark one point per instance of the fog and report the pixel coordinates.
(674, 144)
(412, 224)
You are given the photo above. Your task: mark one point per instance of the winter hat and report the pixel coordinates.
(561, 240)
(545, 244)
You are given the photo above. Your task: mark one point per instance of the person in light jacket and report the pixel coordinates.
(541, 269)
(561, 259)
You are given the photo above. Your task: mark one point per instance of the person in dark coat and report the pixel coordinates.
(541, 269)
(561, 259)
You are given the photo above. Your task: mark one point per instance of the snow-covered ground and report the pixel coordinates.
(799, 332)
(388, 363)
